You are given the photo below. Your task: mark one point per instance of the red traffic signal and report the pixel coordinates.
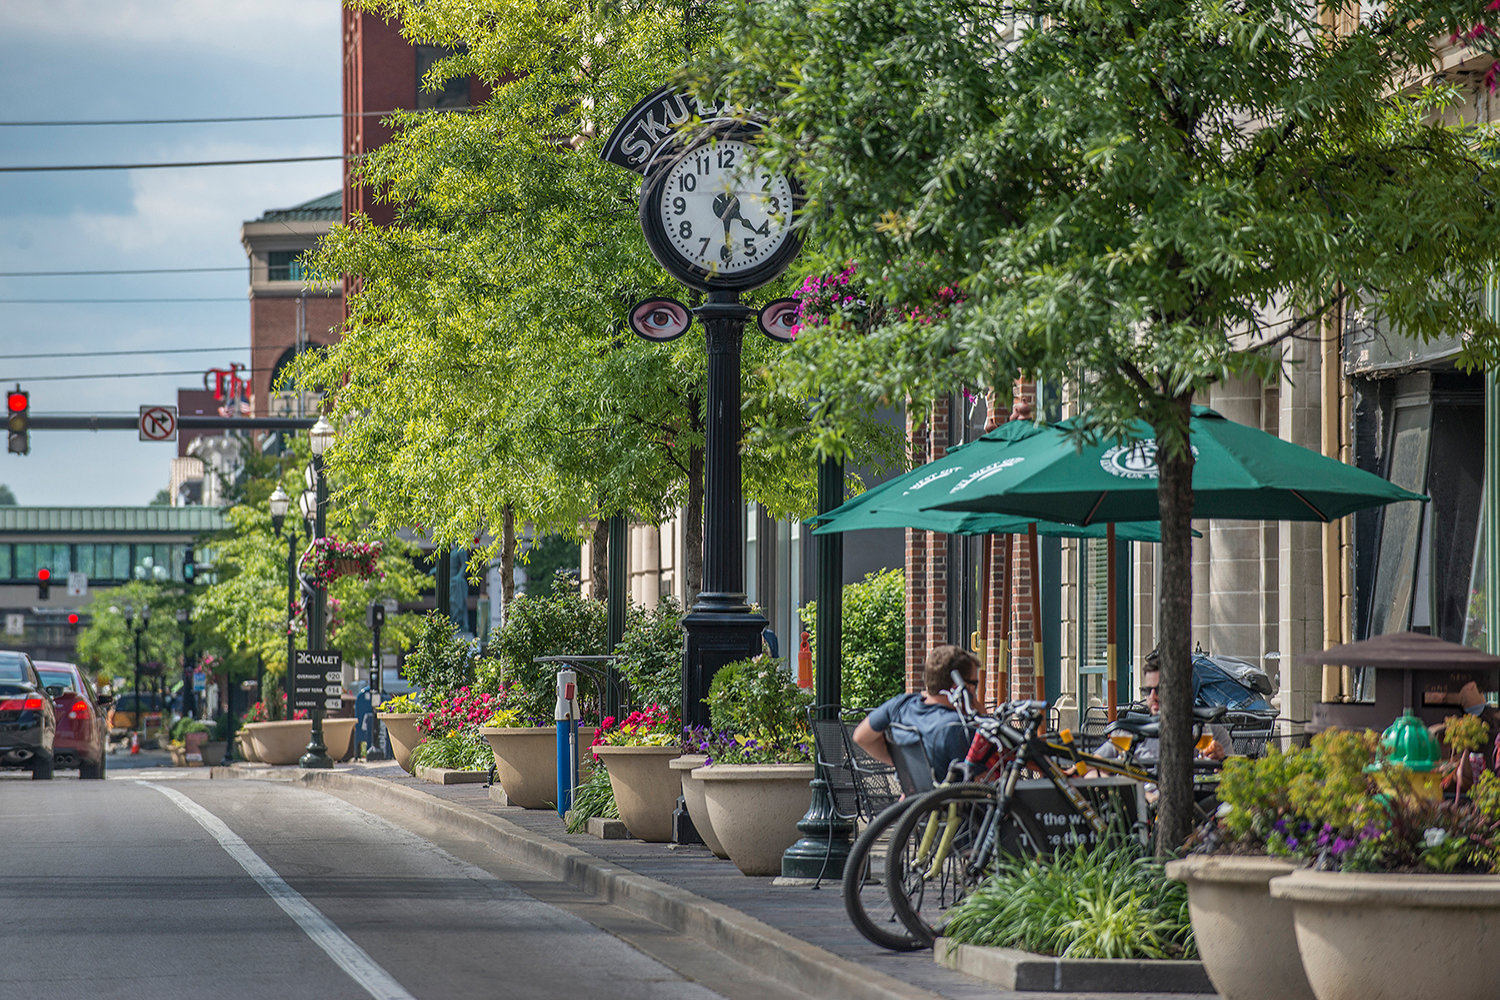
(43, 583)
(43, 575)
(73, 619)
(18, 421)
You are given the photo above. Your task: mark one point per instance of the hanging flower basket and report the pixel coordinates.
(327, 559)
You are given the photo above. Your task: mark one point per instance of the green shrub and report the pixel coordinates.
(565, 622)
(461, 751)
(1109, 900)
(594, 797)
(873, 665)
(764, 709)
(651, 656)
(185, 725)
(442, 661)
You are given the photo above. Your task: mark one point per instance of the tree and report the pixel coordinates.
(1133, 199)
(163, 498)
(486, 371)
(7, 498)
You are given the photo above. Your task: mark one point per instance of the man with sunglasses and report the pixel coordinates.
(928, 716)
(1149, 747)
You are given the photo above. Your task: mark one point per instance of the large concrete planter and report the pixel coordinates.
(1245, 937)
(279, 742)
(526, 762)
(405, 736)
(692, 797)
(338, 737)
(754, 809)
(1393, 937)
(645, 787)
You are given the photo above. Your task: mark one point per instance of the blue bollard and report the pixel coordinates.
(566, 714)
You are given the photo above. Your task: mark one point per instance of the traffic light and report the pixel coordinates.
(18, 420)
(189, 570)
(73, 621)
(43, 583)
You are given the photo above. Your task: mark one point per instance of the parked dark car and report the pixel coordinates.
(28, 723)
(82, 727)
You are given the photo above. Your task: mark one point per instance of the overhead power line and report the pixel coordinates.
(52, 168)
(73, 378)
(212, 121)
(57, 302)
(110, 354)
(127, 270)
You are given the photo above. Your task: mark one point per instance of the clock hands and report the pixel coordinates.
(727, 208)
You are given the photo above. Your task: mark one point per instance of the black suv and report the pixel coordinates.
(28, 724)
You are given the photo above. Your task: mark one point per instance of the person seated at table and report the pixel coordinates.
(1149, 747)
(928, 716)
(1472, 702)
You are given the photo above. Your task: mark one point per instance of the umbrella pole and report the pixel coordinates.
(982, 634)
(1112, 648)
(1002, 670)
(1039, 665)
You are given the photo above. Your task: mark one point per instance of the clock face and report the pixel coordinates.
(726, 220)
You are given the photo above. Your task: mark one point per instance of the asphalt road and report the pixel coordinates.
(159, 883)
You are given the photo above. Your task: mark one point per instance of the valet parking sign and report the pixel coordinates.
(317, 679)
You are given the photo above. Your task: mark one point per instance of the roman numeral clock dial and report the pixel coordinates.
(715, 218)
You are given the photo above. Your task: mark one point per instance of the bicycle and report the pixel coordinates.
(945, 841)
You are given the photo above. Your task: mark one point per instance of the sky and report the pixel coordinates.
(78, 60)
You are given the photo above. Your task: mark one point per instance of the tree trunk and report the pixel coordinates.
(507, 561)
(1174, 812)
(692, 535)
(599, 561)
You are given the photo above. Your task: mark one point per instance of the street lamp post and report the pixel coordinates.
(137, 627)
(321, 436)
(189, 702)
(280, 503)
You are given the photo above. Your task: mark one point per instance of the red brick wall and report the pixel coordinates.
(927, 575)
(273, 331)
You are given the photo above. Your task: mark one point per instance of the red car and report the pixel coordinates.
(82, 726)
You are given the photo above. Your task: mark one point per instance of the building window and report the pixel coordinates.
(455, 90)
(284, 265)
(31, 557)
(1093, 622)
(104, 560)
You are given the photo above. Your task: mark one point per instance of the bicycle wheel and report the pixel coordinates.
(933, 862)
(865, 897)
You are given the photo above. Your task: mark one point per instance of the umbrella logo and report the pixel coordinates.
(979, 475)
(929, 480)
(1132, 461)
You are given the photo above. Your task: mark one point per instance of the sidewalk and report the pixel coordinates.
(797, 934)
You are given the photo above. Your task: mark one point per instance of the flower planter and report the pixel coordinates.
(526, 762)
(338, 737)
(697, 806)
(405, 736)
(279, 742)
(1239, 927)
(1386, 936)
(213, 752)
(645, 787)
(244, 747)
(754, 809)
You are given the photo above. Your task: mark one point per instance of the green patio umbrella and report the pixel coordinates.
(1238, 472)
(898, 503)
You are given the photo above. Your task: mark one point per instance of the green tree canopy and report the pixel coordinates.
(1134, 200)
(486, 365)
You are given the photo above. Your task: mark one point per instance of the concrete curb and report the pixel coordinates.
(1012, 969)
(794, 963)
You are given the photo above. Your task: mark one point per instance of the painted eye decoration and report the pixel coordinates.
(778, 320)
(660, 319)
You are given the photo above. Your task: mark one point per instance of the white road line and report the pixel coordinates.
(350, 957)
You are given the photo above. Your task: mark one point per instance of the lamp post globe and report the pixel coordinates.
(279, 503)
(321, 435)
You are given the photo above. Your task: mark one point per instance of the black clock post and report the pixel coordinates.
(720, 626)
